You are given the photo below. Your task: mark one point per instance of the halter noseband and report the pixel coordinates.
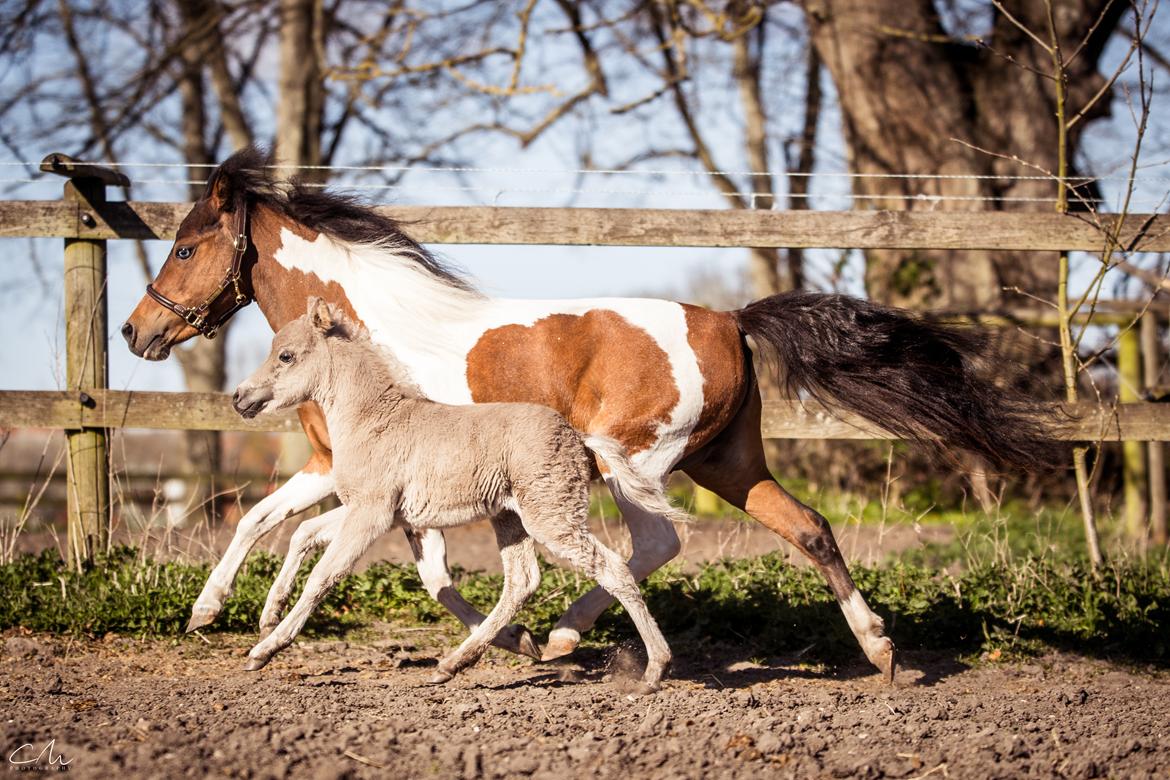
(198, 317)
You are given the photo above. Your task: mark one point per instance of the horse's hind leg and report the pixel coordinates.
(430, 556)
(733, 467)
(521, 579)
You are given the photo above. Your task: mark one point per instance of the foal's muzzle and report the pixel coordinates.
(249, 402)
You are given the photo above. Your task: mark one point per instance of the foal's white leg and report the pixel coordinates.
(521, 579)
(298, 494)
(313, 534)
(430, 556)
(655, 543)
(353, 536)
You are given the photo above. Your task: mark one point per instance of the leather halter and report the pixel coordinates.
(199, 317)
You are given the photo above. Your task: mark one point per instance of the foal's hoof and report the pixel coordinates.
(643, 688)
(256, 664)
(440, 676)
(201, 618)
(517, 639)
(561, 642)
(886, 660)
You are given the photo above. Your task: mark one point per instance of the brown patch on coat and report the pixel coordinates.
(718, 346)
(601, 372)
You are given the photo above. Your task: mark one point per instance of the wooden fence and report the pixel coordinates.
(86, 221)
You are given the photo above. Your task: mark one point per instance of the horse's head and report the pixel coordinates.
(204, 280)
(297, 364)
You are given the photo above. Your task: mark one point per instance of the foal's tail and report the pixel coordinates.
(908, 374)
(648, 494)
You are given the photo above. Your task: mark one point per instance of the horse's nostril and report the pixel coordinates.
(236, 398)
(128, 332)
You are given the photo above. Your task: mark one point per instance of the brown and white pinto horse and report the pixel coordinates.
(673, 383)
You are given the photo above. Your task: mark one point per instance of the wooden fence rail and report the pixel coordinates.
(992, 230)
(88, 410)
(781, 419)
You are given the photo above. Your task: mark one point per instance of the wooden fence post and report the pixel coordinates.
(1129, 370)
(1151, 359)
(86, 357)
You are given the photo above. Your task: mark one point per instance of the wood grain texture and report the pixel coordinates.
(646, 227)
(781, 419)
(129, 409)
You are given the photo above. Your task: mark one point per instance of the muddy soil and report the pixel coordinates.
(121, 708)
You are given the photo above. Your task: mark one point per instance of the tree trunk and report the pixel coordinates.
(910, 95)
(300, 108)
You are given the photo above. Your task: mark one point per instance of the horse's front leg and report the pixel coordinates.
(303, 490)
(430, 556)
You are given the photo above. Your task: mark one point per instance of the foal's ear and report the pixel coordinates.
(321, 315)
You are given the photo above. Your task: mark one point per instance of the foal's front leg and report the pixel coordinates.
(430, 556)
(356, 532)
(305, 488)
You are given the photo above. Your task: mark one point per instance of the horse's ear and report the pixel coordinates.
(321, 315)
(219, 193)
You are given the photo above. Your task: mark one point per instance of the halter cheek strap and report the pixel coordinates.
(199, 317)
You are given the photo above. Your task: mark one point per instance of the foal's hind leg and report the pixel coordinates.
(733, 467)
(655, 543)
(570, 539)
(430, 556)
(521, 579)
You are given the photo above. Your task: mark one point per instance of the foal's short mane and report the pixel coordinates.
(341, 216)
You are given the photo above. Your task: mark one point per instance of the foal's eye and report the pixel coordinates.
(285, 357)
(184, 252)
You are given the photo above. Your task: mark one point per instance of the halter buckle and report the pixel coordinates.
(194, 319)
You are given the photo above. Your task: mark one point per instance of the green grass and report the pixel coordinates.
(1022, 604)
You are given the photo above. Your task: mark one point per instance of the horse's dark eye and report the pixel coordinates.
(184, 252)
(285, 357)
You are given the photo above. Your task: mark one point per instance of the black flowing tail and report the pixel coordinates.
(914, 377)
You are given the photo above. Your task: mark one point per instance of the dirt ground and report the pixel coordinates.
(120, 708)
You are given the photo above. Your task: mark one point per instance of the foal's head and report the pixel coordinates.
(298, 363)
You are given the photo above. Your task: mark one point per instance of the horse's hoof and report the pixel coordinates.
(256, 664)
(201, 618)
(440, 676)
(518, 639)
(561, 642)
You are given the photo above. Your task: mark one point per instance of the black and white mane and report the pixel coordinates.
(252, 172)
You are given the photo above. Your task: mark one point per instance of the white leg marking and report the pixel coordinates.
(301, 491)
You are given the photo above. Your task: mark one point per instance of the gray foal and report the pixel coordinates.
(399, 458)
